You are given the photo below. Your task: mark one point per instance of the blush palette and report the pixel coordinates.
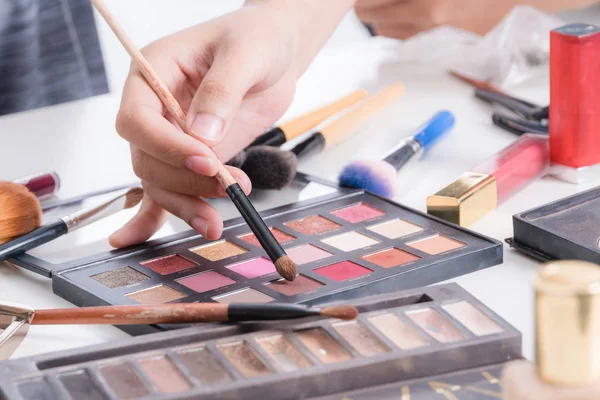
(347, 245)
(438, 335)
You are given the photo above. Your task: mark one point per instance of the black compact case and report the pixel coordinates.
(567, 229)
(455, 333)
(74, 280)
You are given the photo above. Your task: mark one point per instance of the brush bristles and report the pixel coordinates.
(376, 176)
(286, 268)
(133, 197)
(340, 312)
(20, 211)
(269, 167)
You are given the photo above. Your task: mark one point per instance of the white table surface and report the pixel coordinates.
(79, 141)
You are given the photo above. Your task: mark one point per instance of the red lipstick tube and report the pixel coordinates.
(575, 102)
(42, 185)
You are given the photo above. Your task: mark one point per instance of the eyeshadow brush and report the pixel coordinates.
(273, 168)
(284, 265)
(70, 223)
(184, 313)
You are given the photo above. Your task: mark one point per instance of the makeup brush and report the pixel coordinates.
(272, 168)
(20, 211)
(477, 83)
(379, 176)
(70, 223)
(284, 265)
(181, 313)
(289, 130)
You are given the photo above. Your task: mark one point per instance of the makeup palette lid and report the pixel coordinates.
(90, 245)
(565, 229)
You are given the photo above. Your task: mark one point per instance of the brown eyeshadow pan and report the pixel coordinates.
(301, 284)
(390, 258)
(156, 295)
(323, 346)
(203, 366)
(218, 250)
(124, 381)
(280, 236)
(313, 225)
(362, 339)
(166, 377)
(119, 277)
(244, 359)
(287, 356)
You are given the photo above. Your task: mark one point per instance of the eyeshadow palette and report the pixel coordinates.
(566, 229)
(418, 334)
(346, 245)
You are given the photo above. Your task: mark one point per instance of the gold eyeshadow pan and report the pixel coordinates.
(282, 359)
(347, 245)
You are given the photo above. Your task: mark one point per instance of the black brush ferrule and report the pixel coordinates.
(255, 222)
(314, 144)
(274, 137)
(265, 312)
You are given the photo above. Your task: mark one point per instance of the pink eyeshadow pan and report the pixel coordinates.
(280, 236)
(358, 213)
(342, 271)
(169, 264)
(306, 254)
(205, 281)
(301, 284)
(253, 268)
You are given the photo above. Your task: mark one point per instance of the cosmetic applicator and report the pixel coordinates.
(272, 168)
(289, 130)
(20, 211)
(181, 313)
(283, 264)
(69, 223)
(379, 176)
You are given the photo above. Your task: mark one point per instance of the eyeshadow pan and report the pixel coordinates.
(343, 271)
(280, 236)
(358, 213)
(156, 295)
(205, 281)
(306, 254)
(124, 381)
(244, 296)
(313, 225)
(80, 386)
(36, 390)
(285, 354)
(436, 244)
(244, 359)
(253, 268)
(350, 241)
(471, 317)
(398, 331)
(204, 367)
(360, 338)
(165, 376)
(436, 325)
(119, 277)
(323, 346)
(301, 284)
(169, 264)
(390, 258)
(395, 229)
(218, 250)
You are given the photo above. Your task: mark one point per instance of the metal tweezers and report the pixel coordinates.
(528, 117)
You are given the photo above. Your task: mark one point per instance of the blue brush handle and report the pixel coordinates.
(434, 129)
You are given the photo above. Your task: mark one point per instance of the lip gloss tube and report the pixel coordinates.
(479, 191)
(42, 184)
(574, 126)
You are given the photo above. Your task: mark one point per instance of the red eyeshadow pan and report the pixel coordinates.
(169, 264)
(358, 213)
(390, 258)
(342, 271)
(205, 281)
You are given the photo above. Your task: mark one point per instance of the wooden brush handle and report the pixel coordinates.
(157, 84)
(350, 122)
(133, 315)
(298, 126)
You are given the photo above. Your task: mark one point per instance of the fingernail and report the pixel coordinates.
(207, 126)
(200, 225)
(201, 165)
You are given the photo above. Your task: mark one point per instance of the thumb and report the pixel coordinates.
(218, 99)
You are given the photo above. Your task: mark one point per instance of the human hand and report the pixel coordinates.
(402, 19)
(236, 76)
